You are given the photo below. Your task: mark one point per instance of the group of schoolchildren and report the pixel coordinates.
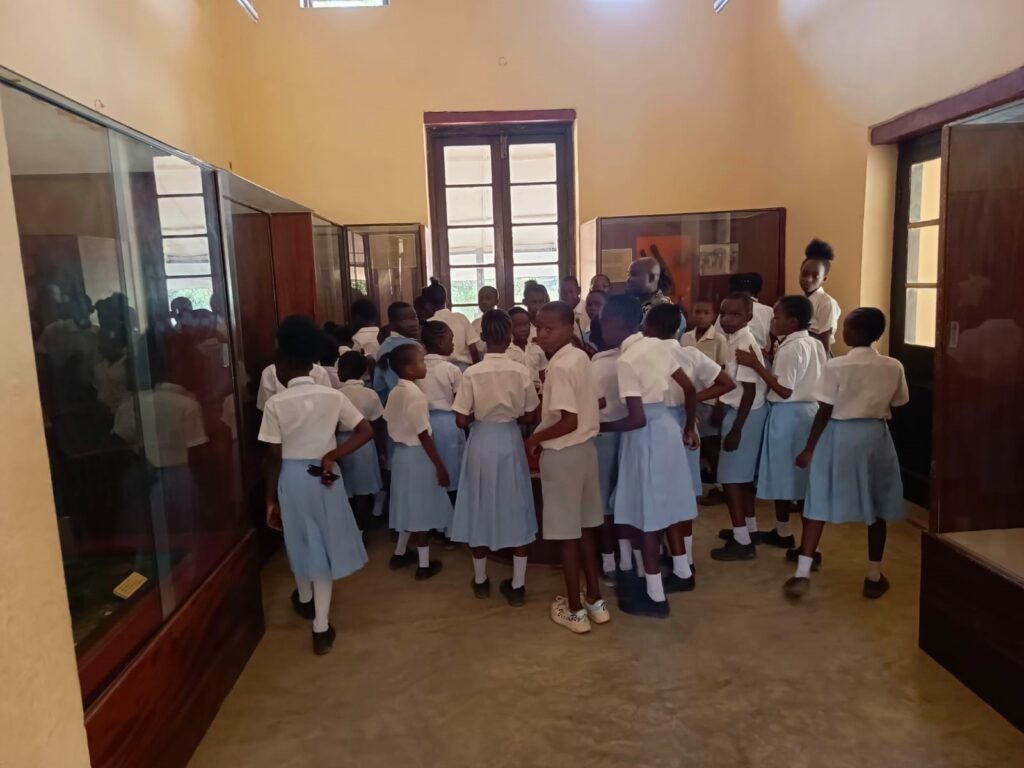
(612, 401)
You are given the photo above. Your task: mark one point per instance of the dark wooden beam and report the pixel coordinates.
(497, 117)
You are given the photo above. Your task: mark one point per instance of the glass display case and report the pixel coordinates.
(385, 263)
(327, 250)
(698, 250)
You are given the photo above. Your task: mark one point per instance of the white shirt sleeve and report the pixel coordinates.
(902, 396)
(706, 370)
(270, 429)
(455, 380)
(561, 393)
(472, 336)
(828, 384)
(629, 382)
(418, 414)
(195, 432)
(464, 399)
(788, 366)
(267, 388)
(348, 415)
(125, 425)
(532, 400)
(374, 408)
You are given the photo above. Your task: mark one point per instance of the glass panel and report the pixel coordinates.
(357, 279)
(467, 165)
(393, 253)
(545, 274)
(186, 256)
(533, 244)
(920, 318)
(923, 254)
(925, 180)
(177, 176)
(198, 291)
(471, 246)
(469, 205)
(327, 257)
(182, 215)
(531, 205)
(472, 311)
(531, 163)
(467, 282)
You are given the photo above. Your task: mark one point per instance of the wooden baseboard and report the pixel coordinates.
(156, 711)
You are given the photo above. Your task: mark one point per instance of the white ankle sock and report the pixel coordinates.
(403, 543)
(874, 570)
(305, 587)
(783, 528)
(638, 562)
(479, 569)
(625, 554)
(803, 567)
(688, 542)
(741, 534)
(424, 553)
(752, 524)
(518, 572)
(378, 503)
(655, 587)
(321, 603)
(607, 562)
(681, 566)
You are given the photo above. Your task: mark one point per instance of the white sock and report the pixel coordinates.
(403, 542)
(874, 570)
(608, 561)
(783, 528)
(752, 524)
(625, 554)
(479, 569)
(305, 587)
(655, 587)
(741, 534)
(378, 503)
(518, 572)
(803, 567)
(688, 543)
(424, 553)
(638, 562)
(681, 566)
(321, 603)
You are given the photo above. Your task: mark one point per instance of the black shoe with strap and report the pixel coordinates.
(323, 642)
(773, 539)
(397, 562)
(793, 556)
(482, 591)
(516, 596)
(875, 589)
(422, 574)
(733, 550)
(641, 604)
(305, 610)
(726, 535)
(674, 583)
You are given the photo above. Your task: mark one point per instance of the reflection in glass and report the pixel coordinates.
(531, 163)
(535, 204)
(474, 245)
(469, 206)
(923, 254)
(393, 260)
(467, 282)
(532, 244)
(176, 176)
(925, 181)
(921, 313)
(186, 256)
(182, 215)
(545, 274)
(467, 165)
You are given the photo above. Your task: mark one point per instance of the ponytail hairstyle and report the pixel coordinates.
(819, 250)
(431, 334)
(496, 327)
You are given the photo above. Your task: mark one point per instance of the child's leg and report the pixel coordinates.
(876, 549)
(588, 550)
(624, 535)
(305, 589)
(421, 540)
(677, 547)
(608, 545)
(735, 498)
(687, 530)
(652, 566)
(479, 564)
(362, 507)
(782, 510)
(749, 515)
(519, 559)
(811, 537)
(403, 542)
(321, 603)
(571, 566)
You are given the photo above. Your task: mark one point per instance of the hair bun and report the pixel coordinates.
(819, 249)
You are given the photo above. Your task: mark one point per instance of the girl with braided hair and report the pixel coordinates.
(440, 385)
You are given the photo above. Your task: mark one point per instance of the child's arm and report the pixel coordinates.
(825, 338)
(821, 418)
(428, 445)
(361, 435)
(463, 420)
(748, 358)
(732, 441)
(723, 383)
(690, 436)
(530, 417)
(273, 473)
(567, 423)
(634, 418)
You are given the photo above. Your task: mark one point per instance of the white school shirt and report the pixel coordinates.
(606, 377)
(516, 355)
(863, 384)
(743, 339)
(644, 369)
(760, 323)
(496, 389)
(365, 340)
(581, 319)
(712, 343)
(270, 385)
(407, 413)
(332, 375)
(366, 401)
(536, 361)
(463, 333)
(569, 386)
(826, 314)
(176, 426)
(797, 365)
(698, 367)
(305, 417)
(481, 346)
(441, 382)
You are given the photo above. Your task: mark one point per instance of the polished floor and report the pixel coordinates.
(423, 674)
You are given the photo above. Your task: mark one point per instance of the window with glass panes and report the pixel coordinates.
(501, 208)
(921, 281)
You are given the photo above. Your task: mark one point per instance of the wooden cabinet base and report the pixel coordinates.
(156, 711)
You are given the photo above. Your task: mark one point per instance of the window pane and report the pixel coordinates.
(182, 215)
(467, 282)
(175, 176)
(467, 165)
(924, 190)
(535, 244)
(545, 274)
(471, 246)
(469, 205)
(920, 317)
(357, 280)
(197, 290)
(186, 256)
(923, 254)
(531, 163)
(472, 311)
(531, 205)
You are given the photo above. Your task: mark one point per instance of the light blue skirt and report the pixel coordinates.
(494, 508)
(740, 466)
(692, 457)
(652, 493)
(450, 442)
(416, 502)
(607, 444)
(855, 475)
(361, 470)
(785, 436)
(320, 533)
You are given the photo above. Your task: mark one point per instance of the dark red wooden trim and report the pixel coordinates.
(496, 117)
(994, 93)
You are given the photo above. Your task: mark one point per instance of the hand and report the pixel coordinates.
(803, 459)
(732, 441)
(442, 477)
(327, 470)
(532, 447)
(691, 439)
(274, 515)
(717, 414)
(748, 358)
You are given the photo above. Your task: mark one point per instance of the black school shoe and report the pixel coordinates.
(733, 550)
(675, 584)
(516, 596)
(875, 589)
(422, 574)
(641, 604)
(773, 539)
(793, 556)
(305, 610)
(726, 535)
(397, 562)
(626, 582)
(323, 642)
(482, 591)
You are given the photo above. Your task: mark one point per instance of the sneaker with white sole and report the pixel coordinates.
(576, 622)
(597, 612)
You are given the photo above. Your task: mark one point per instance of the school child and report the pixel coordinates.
(593, 306)
(742, 428)
(419, 500)
(404, 329)
(706, 335)
(570, 293)
(342, 336)
(792, 382)
(654, 493)
(440, 385)
(603, 365)
(365, 326)
(855, 474)
(464, 336)
(320, 534)
(361, 469)
(486, 300)
(521, 331)
(600, 282)
(568, 467)
(761, 320)
(813, 274)
(329, 360)
(270, 382)
(494, 509)
(535, 296)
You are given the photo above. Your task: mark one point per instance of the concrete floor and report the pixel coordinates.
(423, 674)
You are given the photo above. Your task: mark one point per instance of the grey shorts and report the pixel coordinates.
(572, 491)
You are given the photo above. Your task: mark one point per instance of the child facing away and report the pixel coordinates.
(270, 382)
(440, 386)
(320, 534)
(464, 336)
(813, 274)
(365, 327)
(854, 471)
(568, 468)
(494, 509)
(742, 429)
(361, 469)
(792, 383)
(603, 365)
(419, 500)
